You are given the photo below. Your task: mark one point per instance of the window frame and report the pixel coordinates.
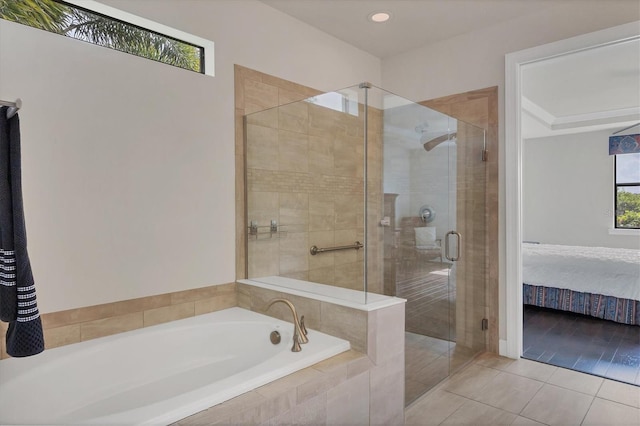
(617, 185)
(207, 64)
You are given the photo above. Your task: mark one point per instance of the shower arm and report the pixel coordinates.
(430, 144)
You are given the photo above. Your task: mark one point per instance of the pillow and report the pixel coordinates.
(425, 235)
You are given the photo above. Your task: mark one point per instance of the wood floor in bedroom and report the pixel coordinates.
(590, 345)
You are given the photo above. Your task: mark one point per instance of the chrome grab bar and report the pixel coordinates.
(315, 249)
(446, 246)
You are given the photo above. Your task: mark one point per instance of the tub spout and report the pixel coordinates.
(298, 335)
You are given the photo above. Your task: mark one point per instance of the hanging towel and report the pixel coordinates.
(17, 290)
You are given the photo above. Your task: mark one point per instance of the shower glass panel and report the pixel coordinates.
(426, 232)
(363, 190)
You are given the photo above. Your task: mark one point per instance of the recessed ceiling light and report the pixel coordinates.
(379, 17)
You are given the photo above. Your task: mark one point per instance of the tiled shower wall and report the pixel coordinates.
(305, 170)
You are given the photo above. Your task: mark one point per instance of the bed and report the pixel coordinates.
(596, 281)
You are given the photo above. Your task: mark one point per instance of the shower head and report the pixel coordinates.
(430, 144)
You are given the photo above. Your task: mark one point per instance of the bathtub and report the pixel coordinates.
(155, 375)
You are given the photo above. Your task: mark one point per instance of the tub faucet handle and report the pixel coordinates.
(303, 328)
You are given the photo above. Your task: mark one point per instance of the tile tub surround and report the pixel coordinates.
(335, 392)
(80, 324)
(378, 333)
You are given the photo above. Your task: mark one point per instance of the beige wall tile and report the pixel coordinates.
(325, 121)
(294, 251)
(3, 350)
(321, 239)
(290, 382)
(386, 340)
(259, 96)
(324, 275)
(169, 313)
(201, 293)
(294, 209)
(225, 410)
(308, 307)
(108, 326)
(286, 96)
(347, 323)
(321, 212)
(386, 395)
(260, 300)
(3, 332)
(311, 412)
(141, 304)
(294, 117)
(321, 155)
(78, 315)
(347, 160)
(348, 402)
(320, 385)
(298, 275)
(216, 303)
(347, 210)
(262, 147)
(60, 336)
(350, 275)
(263, 207)
(266, 118)
(293, 151)
(244, 296)
(265, 257)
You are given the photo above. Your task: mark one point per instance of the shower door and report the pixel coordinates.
(434, 251)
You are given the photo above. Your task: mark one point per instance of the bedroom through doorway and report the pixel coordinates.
(580, 248)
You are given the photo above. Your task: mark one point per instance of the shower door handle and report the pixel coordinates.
(446, 246)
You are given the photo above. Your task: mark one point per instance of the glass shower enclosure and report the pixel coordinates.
(368, 193)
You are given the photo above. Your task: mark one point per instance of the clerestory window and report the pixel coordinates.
(108, 27)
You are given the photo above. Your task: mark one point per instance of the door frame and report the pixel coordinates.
(512, 345)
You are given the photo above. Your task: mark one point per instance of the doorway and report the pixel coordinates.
(516, 103)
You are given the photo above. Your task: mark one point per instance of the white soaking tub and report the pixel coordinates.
(155, 375)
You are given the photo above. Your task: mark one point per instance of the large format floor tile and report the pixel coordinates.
(493, 390)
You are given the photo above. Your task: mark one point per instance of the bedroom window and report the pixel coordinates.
(102, 25)
(627, 191)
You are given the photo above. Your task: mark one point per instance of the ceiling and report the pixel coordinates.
(593, 89)
(413, 23)
(585, 91)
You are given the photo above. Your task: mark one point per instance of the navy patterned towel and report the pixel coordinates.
(17, 290)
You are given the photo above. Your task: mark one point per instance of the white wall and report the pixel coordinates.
(568, 191)
(128, 164)
(475, 60)
(433, 182)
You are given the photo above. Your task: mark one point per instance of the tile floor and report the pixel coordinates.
(493, 390)
(591, 345)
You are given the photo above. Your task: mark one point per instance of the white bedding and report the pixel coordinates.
(601, 270)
